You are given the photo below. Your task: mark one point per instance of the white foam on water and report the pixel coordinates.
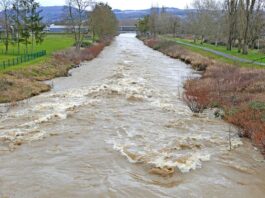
(192, 162)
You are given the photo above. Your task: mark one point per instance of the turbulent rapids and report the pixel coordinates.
(117, 127)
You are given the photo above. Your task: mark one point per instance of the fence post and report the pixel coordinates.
(4, 64)
(8, 63)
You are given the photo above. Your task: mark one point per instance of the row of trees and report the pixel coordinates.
(239, 22)
(21, 23)
(235, 23)
(159, 22)
(100, 21)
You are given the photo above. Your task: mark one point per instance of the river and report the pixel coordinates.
(117, 127)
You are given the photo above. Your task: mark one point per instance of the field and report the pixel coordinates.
(52, 43)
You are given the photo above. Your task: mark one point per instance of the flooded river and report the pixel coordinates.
(117, 127)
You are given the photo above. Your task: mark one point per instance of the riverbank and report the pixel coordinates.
(238, 91)
(255, 58)
(18, 83)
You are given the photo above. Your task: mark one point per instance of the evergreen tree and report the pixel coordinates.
(5, 6)
(17, 22)
(34, 23)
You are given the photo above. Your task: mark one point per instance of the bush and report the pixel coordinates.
(84, 44)
(256, 105)
(195, 97)
(76, 57)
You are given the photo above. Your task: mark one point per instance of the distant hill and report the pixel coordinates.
(135, 14)
(54, 14)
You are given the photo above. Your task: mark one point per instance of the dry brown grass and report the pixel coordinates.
(197, 61)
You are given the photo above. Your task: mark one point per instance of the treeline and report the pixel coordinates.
(21, 23)
(101, 22)
(234, 23)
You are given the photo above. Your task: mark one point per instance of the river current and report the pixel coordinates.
(118, 127)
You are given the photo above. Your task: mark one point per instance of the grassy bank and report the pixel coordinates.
(238, 91)
(253, 55)
(25, 80)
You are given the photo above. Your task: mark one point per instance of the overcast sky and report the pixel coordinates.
(129, 4)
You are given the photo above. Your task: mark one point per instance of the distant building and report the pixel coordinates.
(59, 28)
(127, 29)
(62, 29)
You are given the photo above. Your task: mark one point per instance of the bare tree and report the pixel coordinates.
(166, 22)
(241, 22)
(17, 22)
(153, 21)
(231, 9)
(103, 22)
(174, 23)
(257, 23)
(249, 10)
(77, 14)
(205, 20)
(6, 6)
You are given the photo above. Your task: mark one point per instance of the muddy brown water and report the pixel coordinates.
(117, 127)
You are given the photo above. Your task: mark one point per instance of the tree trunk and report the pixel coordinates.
(93, 35)
(32, 42)
(216, 42)
(239, 45)
(202, 40)
(18, 42)
(7, 31)
(249, 11)
(229, 43)
(253, 42)
(245, 49)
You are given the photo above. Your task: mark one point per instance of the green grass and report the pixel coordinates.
(4, 57)
(25, 64)
(51, 43)
(252, 55)
(214, 56)
(221, 59)
(56, 42)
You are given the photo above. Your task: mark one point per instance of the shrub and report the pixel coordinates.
(85, 44)
(195, 97)
(256, 105)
